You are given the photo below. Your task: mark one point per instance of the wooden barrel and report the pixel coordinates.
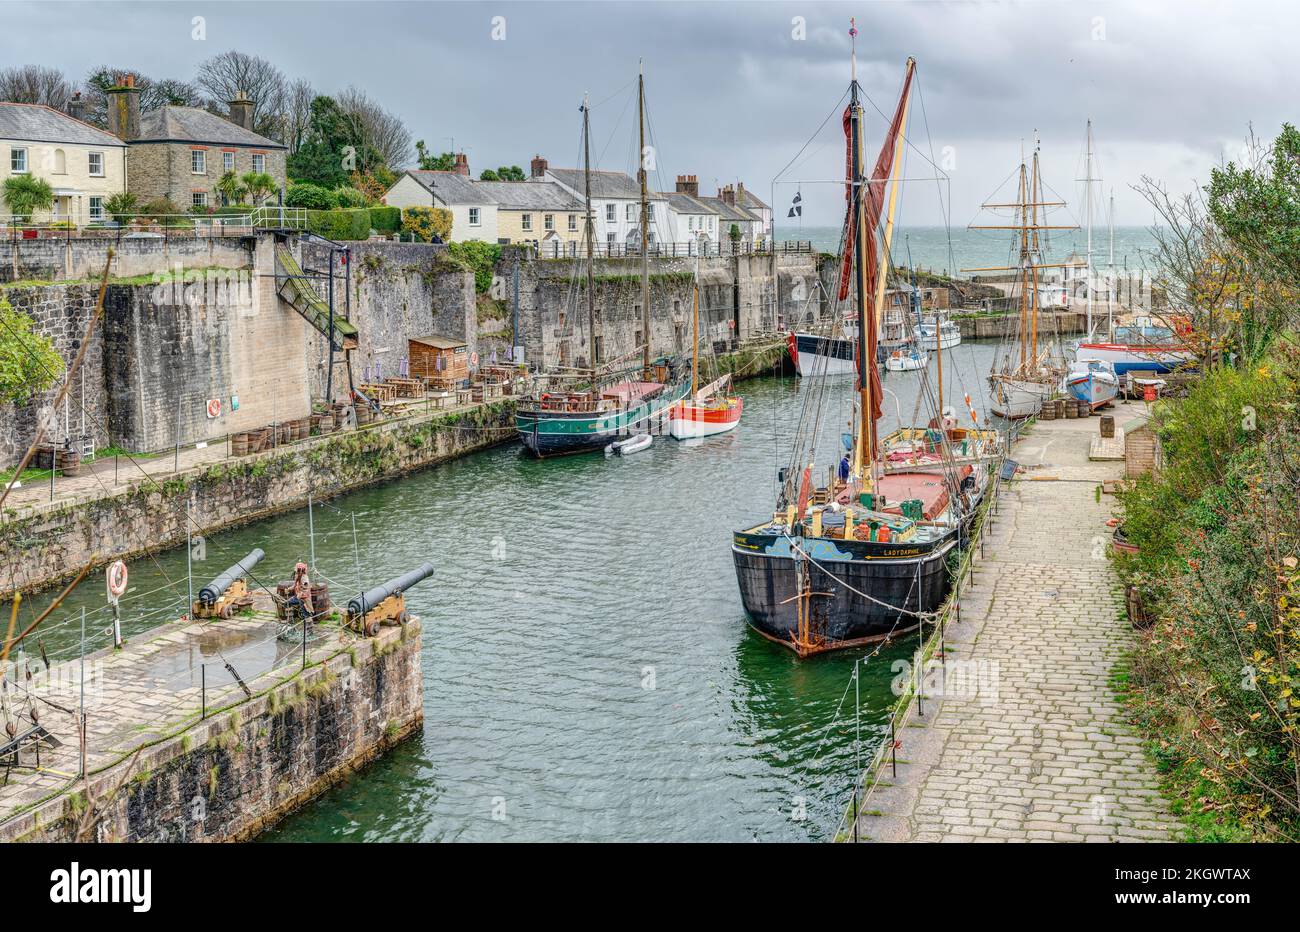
(1071, 409)
(260, 440)
(320, 599)
(322, 423)
(239, 444)
(1107, 425)
(282, 592)
(1085, 409)
(69, 462)
(365, 414)
(1048, 413)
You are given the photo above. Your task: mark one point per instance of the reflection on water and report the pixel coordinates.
(588, 672)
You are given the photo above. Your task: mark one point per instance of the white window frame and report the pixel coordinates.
(227, 161)
(259, 162)
(17, 155)
(548, 221)
(90, 164)
(631, 213)
(475, 217)
(611, 213)
(199, 158)
(573, 223)
(526, 222)
(96, 210)
(611, 237)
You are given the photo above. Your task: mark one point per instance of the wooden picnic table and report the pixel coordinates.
(377, 391)
(464, 396)
(406, 388)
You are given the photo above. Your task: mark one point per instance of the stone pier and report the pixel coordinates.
(1034, 746)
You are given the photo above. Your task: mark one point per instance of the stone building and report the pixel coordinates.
(473, 211)
(85, 166)
(180, 153)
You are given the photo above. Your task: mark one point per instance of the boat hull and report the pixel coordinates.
(1126, 357)
(555, 433)
(815, 356)
(688, 422)
(904, 577)
(907, 363)
(1094, 388)
(947, 339)
(1018, 398)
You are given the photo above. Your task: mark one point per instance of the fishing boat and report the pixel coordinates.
(864, 556)
(947, 333)
(1023, 374)
(1093, 381)
(713, 409)
(597, 406)
(815, 354)
(1142, 346)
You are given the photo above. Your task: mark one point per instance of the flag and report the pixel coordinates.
(796, 206)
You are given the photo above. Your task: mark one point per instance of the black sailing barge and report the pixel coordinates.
(864, 556)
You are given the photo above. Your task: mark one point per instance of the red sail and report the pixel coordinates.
(875, 191)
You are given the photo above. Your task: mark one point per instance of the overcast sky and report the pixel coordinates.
(1172, 86)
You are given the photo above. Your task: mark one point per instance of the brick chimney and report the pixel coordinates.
(539, 167)
(124, 108)
(728, 195)
(77, 107)
(241, 111)
(462, 165)
(688, 184)
(740, 193)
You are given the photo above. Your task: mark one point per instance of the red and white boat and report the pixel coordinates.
(703, 416)
(709, 410)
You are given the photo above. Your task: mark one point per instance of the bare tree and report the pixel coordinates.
(35, 84)
(297, 113)
(376, 127)
(231, 74)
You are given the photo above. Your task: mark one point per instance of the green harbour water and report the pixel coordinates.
(588, 672)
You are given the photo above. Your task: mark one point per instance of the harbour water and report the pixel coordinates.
(588, 672)
(934, 249)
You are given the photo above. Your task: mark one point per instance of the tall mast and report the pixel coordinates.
(1087, 189)
(1024, 263)
(695, 330)
(866, 428)
(645, 231)
(589, 232)
(1033, 269)
(1110, 284)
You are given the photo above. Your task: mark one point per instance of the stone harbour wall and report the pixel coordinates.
(63, 260)
(43, 544)
(236, 773)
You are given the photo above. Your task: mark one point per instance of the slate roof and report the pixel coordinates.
(603, 184)
(751, 201)
(729, 212)
(196, 125)
(39, 123)
(686, 204)
(451, 188)
(529, 195)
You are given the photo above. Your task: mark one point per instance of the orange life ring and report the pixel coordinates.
(117, 578)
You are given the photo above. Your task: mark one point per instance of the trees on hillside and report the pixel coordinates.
(36, 84)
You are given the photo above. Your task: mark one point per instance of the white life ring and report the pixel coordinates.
(214, 407)
(116, 579)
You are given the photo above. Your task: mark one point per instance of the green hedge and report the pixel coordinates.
(386, 219)
(340, 224)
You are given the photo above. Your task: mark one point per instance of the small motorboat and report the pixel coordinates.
(907, 360)
(630, 445)
(1093, 381)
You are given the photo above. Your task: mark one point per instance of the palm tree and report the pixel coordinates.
(259, 186)
(25, 195)
(231, 188)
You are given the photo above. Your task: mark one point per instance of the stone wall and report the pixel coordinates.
(236, 773)
(82, 259)
(42, 544)
(61, 313)
(739, 297)
(163, 170)
(398, 291)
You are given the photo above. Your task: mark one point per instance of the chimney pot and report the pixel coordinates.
(539, 166)
(462, 164)
(241, 111)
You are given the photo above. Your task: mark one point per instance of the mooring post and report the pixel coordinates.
(176, 455)
(304, 640)
(82, 701)
(855, 812)
(311, 532)
(893, 744)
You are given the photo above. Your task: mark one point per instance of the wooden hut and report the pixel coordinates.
(1142, 453)
(442, 362)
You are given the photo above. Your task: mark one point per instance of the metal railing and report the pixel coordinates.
(556, 249)
(155, 226)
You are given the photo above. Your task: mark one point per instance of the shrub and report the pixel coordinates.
(159, 207)
(340, 224)
(28, 360)
(121, 206)
(386, 219)
(424, 223)
(25, 195)
(350, 197)
(311, 196)
(480, 257)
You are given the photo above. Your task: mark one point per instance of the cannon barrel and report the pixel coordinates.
(217, 588)
(372, 597)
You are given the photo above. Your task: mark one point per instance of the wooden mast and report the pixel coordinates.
(645, 232)
(695, 331)
(1033, 273)
(1024, 274)
(590, 233)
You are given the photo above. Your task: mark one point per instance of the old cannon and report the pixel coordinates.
(228, 593)
(385, 604)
